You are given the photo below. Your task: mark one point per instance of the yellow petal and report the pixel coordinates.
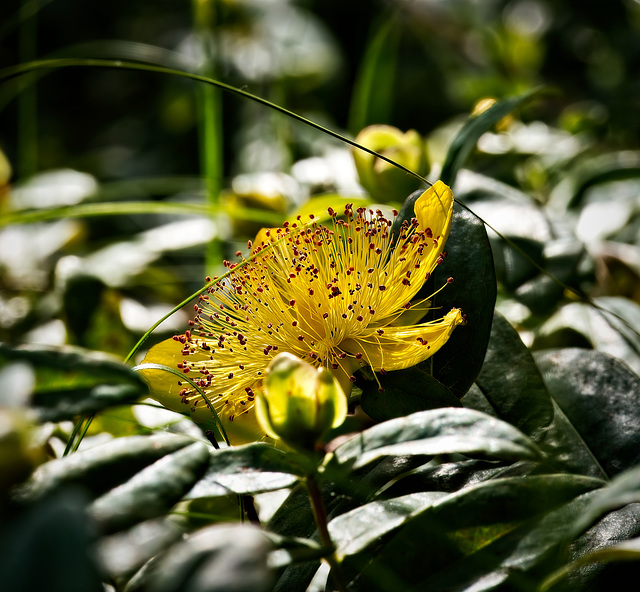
(402, 347)
(434, 210)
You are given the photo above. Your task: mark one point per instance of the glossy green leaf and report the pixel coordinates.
(219, 558)
(153, 491)
(578, 325)
(123, 553)
(405, 392)
(432, 545)
(470, 263)
(585, 566)
(251, 468)
(440, 475)
(591, 171)
(466, 139)
(49, 548)
(100, 468)
(623, 490)
(71, 381)
(514, 391)
(356, 530)
(587, 384)
(439, 431)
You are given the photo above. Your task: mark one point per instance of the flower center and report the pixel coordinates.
(305, 289)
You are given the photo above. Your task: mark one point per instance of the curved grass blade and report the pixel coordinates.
(175, 371)
(36, 65)
(475, 126)
(134, 207)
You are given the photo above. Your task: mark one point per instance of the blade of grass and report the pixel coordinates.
(374, 86)
(126, 208)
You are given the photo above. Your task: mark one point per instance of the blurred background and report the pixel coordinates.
(560, 176)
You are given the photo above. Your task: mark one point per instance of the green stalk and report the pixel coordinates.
(209, 104)
(320, 516)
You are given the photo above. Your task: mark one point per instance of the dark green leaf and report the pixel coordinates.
(431, 541)
(470, 133)
(470, 264)
(356, 530)
(405, 392)
(439, 431)
(511, 382)
(123, 553)
(49, 548)
(153, 491)
(581, 325)
(251, 468)
(515, 392)
(100, 468)
(623, 490)
(219, 558)
(601, 544)
(439, 475)
(71, 381)
(591, 171)
(587, 384)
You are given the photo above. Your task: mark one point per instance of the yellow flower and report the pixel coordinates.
(299, 402)
(339, 296)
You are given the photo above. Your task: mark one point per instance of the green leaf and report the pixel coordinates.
(601, 544)
(599, 396)
(373, 90)
(215, 559)
(578, 324)
(123, 553)
(476, 125)
(71, 381)
(49, 548)
(440, 475)
(591, 171)
(470, 264)
(511, 382)
(405, 392)
(356, 530)
(431, 542)
(439, 431)
(100, 468)
(514, 391)
(153, 491)
(249, 469)
(623, 490)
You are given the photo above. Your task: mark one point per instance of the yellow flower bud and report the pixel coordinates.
(383, 181)
(300, 403)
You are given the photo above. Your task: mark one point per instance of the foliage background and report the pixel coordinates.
(558, 178)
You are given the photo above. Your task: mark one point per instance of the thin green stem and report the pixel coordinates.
(99, 63)
(320, 516)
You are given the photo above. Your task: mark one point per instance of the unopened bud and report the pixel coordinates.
(382, 180)
(299, 403)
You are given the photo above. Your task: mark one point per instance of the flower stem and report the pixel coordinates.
(320, 516)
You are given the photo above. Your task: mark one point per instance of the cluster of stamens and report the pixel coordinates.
(305, 289)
